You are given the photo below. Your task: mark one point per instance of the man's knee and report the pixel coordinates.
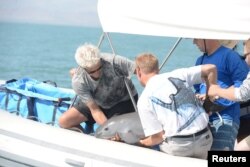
(71, 118)
(63, 121)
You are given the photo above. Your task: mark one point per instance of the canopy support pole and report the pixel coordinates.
(125, 79)
(169, 54)
(100, 40)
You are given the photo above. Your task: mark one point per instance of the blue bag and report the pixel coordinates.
(35, 100)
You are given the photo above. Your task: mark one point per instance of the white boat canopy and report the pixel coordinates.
(206, 19)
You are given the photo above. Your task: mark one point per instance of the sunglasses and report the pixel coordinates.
(92, 72)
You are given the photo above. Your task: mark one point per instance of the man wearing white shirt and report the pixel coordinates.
(170, 113)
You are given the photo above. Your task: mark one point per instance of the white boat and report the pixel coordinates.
(28, 143)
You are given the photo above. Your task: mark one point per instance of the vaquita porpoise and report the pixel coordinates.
(127, 126)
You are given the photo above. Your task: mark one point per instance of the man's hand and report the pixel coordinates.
(201, 97)
(116, 138)
(212, 92)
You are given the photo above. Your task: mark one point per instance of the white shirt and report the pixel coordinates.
(158, 111)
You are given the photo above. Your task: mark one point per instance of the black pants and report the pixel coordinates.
(119, 109)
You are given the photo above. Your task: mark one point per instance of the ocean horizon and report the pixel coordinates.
(46, 52)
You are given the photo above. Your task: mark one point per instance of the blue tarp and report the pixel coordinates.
(33, 99)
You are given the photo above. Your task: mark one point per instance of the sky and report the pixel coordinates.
(59, 12)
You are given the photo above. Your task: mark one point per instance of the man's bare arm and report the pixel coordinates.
(96, 112)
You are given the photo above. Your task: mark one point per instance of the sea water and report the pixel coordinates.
(46, 52)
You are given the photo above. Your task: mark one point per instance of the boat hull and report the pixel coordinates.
(25, 142)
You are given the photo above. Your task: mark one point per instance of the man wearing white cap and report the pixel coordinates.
(232, 70)
(241, 93)
(99, 84)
